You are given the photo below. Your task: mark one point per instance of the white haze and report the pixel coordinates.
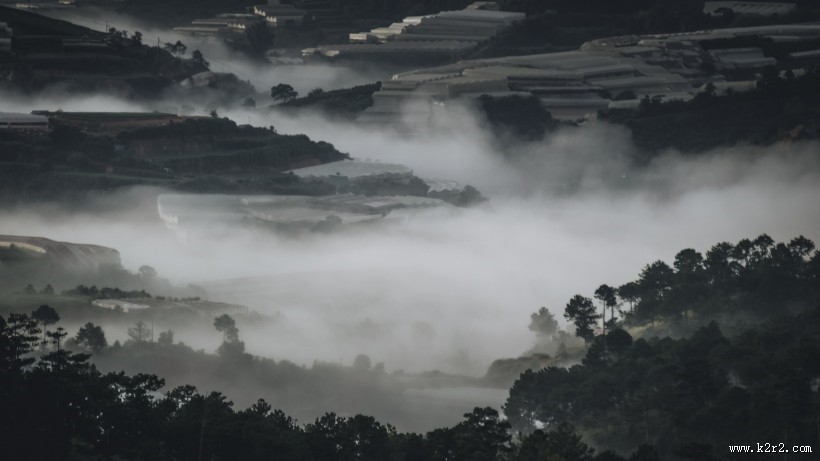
(567, 217)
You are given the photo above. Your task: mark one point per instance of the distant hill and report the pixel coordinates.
(63, 254)
(27, 259)
(202, 154)
(46, 51)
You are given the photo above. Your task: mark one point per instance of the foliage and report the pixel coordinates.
(260, 38)
(581, 312)
(778, 109)
(197, 57)
(283, 92)
(147, 272)
(560, 442)
(342, 102)
(516, 115)
(710, 388)
(166, 338)
(227, 326)
(669, 392)
(758, 278)
(105, 292)
(177, 49)
(91, 337)
(85, 414)
(543, 323)
(45, 315)
(140, 332)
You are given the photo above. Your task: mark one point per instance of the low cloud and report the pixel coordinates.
(566, 214)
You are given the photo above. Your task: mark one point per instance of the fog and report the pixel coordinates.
(447, 290)
(453, 291)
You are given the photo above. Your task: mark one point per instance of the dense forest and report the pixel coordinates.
(716, 350)
(781, 108)
(696, 395)
(60, 396)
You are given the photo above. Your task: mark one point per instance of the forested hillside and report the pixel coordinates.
(645, 399)
(694, 396)
(781, 108)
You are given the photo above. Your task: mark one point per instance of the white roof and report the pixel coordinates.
(758, 8)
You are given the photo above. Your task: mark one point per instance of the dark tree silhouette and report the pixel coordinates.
(227, 326)
(198, 57)
(543, 323)
(260, 38)
(166, 338)
(283, 92)
(45, 316)
(606, 295)
(177, 49)
(362, 362)
(581, 312)
(140, 332)
(91, 337)
(57, 337)
(147, 272)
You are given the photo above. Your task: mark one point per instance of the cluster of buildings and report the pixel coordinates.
(615, 72)
(221, 23)
(278, 14)
(443, 36)
(36, 5)
(274, 14)
(110, 123)
(23, 122)
(749, 8)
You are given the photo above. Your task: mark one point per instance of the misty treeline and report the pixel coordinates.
(783, 107)
(753, 279)
(689, 397)
(523, 117)
(648, 398)
(61, 398)
(692, 397)
(105, 292)
(339, 103)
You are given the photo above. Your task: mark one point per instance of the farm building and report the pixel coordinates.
(23, 122)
